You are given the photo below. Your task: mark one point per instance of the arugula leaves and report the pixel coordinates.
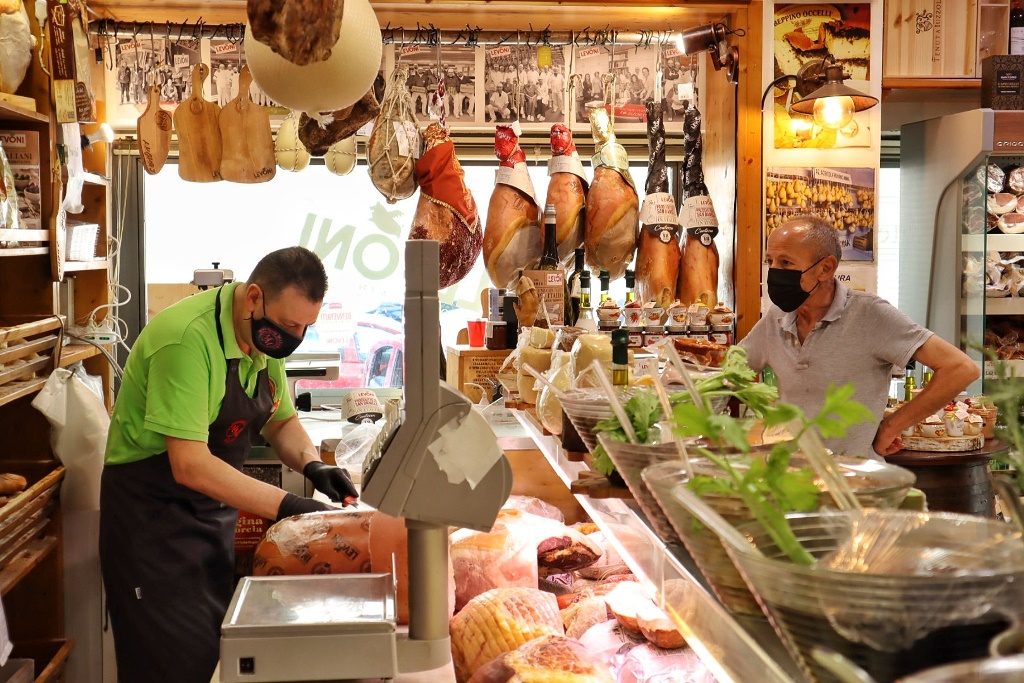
(767, 486)
(644, 412)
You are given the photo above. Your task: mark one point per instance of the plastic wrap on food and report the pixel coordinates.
(519, 549)
(651, 664)
(1015, 180)
(1001, 202)
(610, 643)
(995, 178)
(567, 336)
(335, 542)
(534, 506)
(549, 408)
(974, 220)
(549, 658)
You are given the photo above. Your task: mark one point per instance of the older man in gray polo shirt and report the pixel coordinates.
(819, 332)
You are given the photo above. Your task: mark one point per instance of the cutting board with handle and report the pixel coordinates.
(199, 143)
(248, 144)
(154, 129)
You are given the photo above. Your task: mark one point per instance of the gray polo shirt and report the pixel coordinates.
(861, 339)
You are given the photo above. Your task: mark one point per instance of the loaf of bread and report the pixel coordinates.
(11, 484)
(335, 542)
(552, 659)
(499, 621)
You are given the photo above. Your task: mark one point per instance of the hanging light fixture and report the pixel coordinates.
(825, 97)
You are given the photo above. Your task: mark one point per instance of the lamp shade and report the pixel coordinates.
(833, 89)
(336, 83)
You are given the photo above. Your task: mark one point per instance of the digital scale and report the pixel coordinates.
(340, 627)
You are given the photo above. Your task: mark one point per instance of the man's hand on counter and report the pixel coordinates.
(887, 439)
(331, 481)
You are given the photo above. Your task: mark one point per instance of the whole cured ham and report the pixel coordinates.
(567, 191)
(392, 149)
(512, 239)
(499, 621)
(552, 659)
(612, 203)
(446, 211)
(698, 276)
(658, 253)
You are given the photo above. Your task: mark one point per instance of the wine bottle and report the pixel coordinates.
(549, 260)
(605, 278)
(1017, 28)
(586, 320)
(630, 287)
(574, 287)
(620, 358)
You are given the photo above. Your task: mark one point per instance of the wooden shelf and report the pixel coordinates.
(931, 84)
(25, 235)
(10, 112)
(73, 353)
(27, 560)
(15, 390)
(24, 251)
(95, 179)
(75, 266)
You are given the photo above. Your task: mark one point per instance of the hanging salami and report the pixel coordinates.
(446, 211)
(698, 276)
(393, 146)
(658, 253)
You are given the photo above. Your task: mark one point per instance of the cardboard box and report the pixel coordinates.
(472, 365)
(1002, 82)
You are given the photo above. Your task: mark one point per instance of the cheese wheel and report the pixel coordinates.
(539, 360)
(589, 349)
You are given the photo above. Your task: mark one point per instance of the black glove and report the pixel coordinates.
(292, 505)
(331, 481)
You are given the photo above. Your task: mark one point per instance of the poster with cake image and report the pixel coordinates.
(540, 98)
(137, 63)
(806, 34)
(843, 197)
(456, 64)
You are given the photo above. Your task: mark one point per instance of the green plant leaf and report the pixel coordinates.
(602, 463)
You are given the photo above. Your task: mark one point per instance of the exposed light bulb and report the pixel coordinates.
(850, 130)
(833, 112)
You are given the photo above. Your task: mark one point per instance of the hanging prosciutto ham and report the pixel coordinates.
(446, 211)
(658, 252)
(612, 204)
(567, 191)
(698, 276)
(512, 239)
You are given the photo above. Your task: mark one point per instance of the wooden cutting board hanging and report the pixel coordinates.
(248, 144)
(199, 143)
(154, 128)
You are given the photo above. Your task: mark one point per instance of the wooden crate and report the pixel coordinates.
(474, 365)
(931, 39)
(29, 347)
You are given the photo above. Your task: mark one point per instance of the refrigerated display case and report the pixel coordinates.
(962, 232)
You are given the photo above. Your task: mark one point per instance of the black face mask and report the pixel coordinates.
(269, 338)
(784, 287)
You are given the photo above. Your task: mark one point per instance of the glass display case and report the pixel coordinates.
(962, 232)
(734, 648)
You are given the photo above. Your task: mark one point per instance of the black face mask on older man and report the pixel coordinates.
(784, 287)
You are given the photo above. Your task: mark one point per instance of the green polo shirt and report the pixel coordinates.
(175, 377)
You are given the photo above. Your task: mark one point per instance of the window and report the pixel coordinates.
(345, 220)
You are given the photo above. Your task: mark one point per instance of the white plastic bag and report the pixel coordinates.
(78, 434)
(354, 446)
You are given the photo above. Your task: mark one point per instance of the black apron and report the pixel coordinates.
(167, 552)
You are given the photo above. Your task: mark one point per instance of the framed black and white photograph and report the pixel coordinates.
(456, 64)
(635, 72)
(541, 75)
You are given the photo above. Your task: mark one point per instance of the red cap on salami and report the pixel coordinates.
(561, 140)
(506, 147)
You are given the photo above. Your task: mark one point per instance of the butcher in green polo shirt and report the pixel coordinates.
(203, 381)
